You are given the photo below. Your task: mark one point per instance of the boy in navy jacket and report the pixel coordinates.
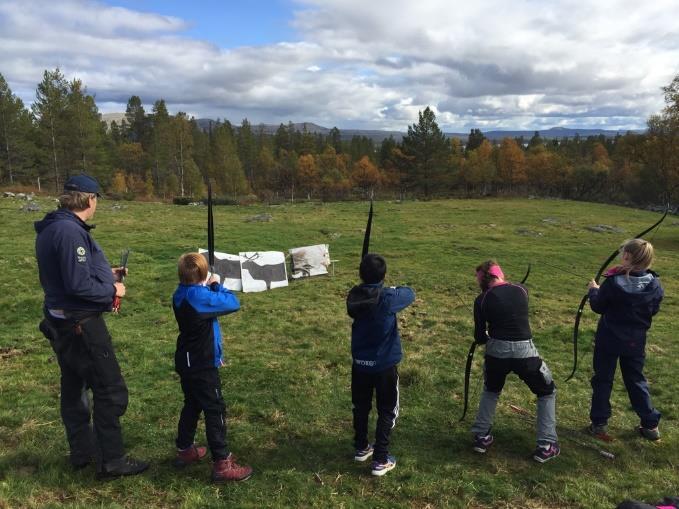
(376, 352)
(627, 300)
(197, 358)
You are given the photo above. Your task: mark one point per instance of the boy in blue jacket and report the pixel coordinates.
(376, 352)
(197, 358)
(627, 301)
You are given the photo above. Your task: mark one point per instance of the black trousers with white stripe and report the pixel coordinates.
(203, 393)
(385, 386)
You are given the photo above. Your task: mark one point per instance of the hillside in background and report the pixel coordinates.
(113, 117)
(378, 136)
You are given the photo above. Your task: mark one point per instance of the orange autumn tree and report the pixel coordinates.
(307, 173)
(335, 181)
(600, 157)
(119, 183)
(365, 174)
(511, 163)
(479, 171)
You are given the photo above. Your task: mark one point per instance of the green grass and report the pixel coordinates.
(288, 361)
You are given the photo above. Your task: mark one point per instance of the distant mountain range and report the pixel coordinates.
(378, 136)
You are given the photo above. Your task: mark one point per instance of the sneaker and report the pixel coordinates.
(649, 433)
(599, 431)
(228, 470)
(186, 457)
(120, 467)
(379, 469)
(482, 443)
(364, 454)
(544, 453)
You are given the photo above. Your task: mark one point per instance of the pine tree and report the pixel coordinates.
(17, 150)
(247, 151)
(428, 146)
(474, 140)
(225, 165)
(183, 148)
(85, 150)
(50, 110)
(136, 121)
(161, 145)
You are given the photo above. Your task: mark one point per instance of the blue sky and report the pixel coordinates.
(489, 64)
(228, 23)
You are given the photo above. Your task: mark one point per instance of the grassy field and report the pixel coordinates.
(286, 382)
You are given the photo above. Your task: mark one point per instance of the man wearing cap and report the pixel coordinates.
(79, 286)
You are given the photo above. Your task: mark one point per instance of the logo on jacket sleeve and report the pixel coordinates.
(81, 254)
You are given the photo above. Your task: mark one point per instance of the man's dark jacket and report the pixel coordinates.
(74, 272)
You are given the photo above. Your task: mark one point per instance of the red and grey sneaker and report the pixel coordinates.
(228, 470)
(380, 468)
(544, 453)
(649, 433)
(482, 443)
(599, 431)
(364, 454)
(190, 455)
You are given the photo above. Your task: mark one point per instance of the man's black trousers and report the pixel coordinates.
(87, 360)
(385, 386)
(203, 393)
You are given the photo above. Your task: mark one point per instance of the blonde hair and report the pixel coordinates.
(192, 268)
(641, 254)
(75, 200)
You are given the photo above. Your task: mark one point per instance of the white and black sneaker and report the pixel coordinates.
(364, 454)
(378, 468)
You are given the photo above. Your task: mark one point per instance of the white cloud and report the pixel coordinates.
(492, 63)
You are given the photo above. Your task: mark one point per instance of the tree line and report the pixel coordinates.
(158, 155)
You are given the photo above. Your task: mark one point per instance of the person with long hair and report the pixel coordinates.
(501, 323)
(627, 300)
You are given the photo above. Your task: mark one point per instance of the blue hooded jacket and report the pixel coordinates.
(196, 308)
(375, 340)
(74, 272)
(627, 305)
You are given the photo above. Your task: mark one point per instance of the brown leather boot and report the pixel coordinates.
(228, 470)
(189, 455)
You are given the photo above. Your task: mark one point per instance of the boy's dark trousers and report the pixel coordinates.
(203, 393)
(87, 360)
(385, 385)
(631, 368)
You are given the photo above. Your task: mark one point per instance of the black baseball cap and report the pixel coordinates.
(83, 183)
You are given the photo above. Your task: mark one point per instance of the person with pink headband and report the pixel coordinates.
(501, 323)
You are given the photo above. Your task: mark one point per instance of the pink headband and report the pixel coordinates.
(494, 271)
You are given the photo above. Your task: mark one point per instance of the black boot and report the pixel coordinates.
(121, 466)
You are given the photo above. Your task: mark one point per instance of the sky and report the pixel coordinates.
(361, 64)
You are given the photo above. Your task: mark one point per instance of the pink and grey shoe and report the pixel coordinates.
(544, 453)
(482, 443)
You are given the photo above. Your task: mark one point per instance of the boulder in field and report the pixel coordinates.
(604, 228)
(259, 218)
